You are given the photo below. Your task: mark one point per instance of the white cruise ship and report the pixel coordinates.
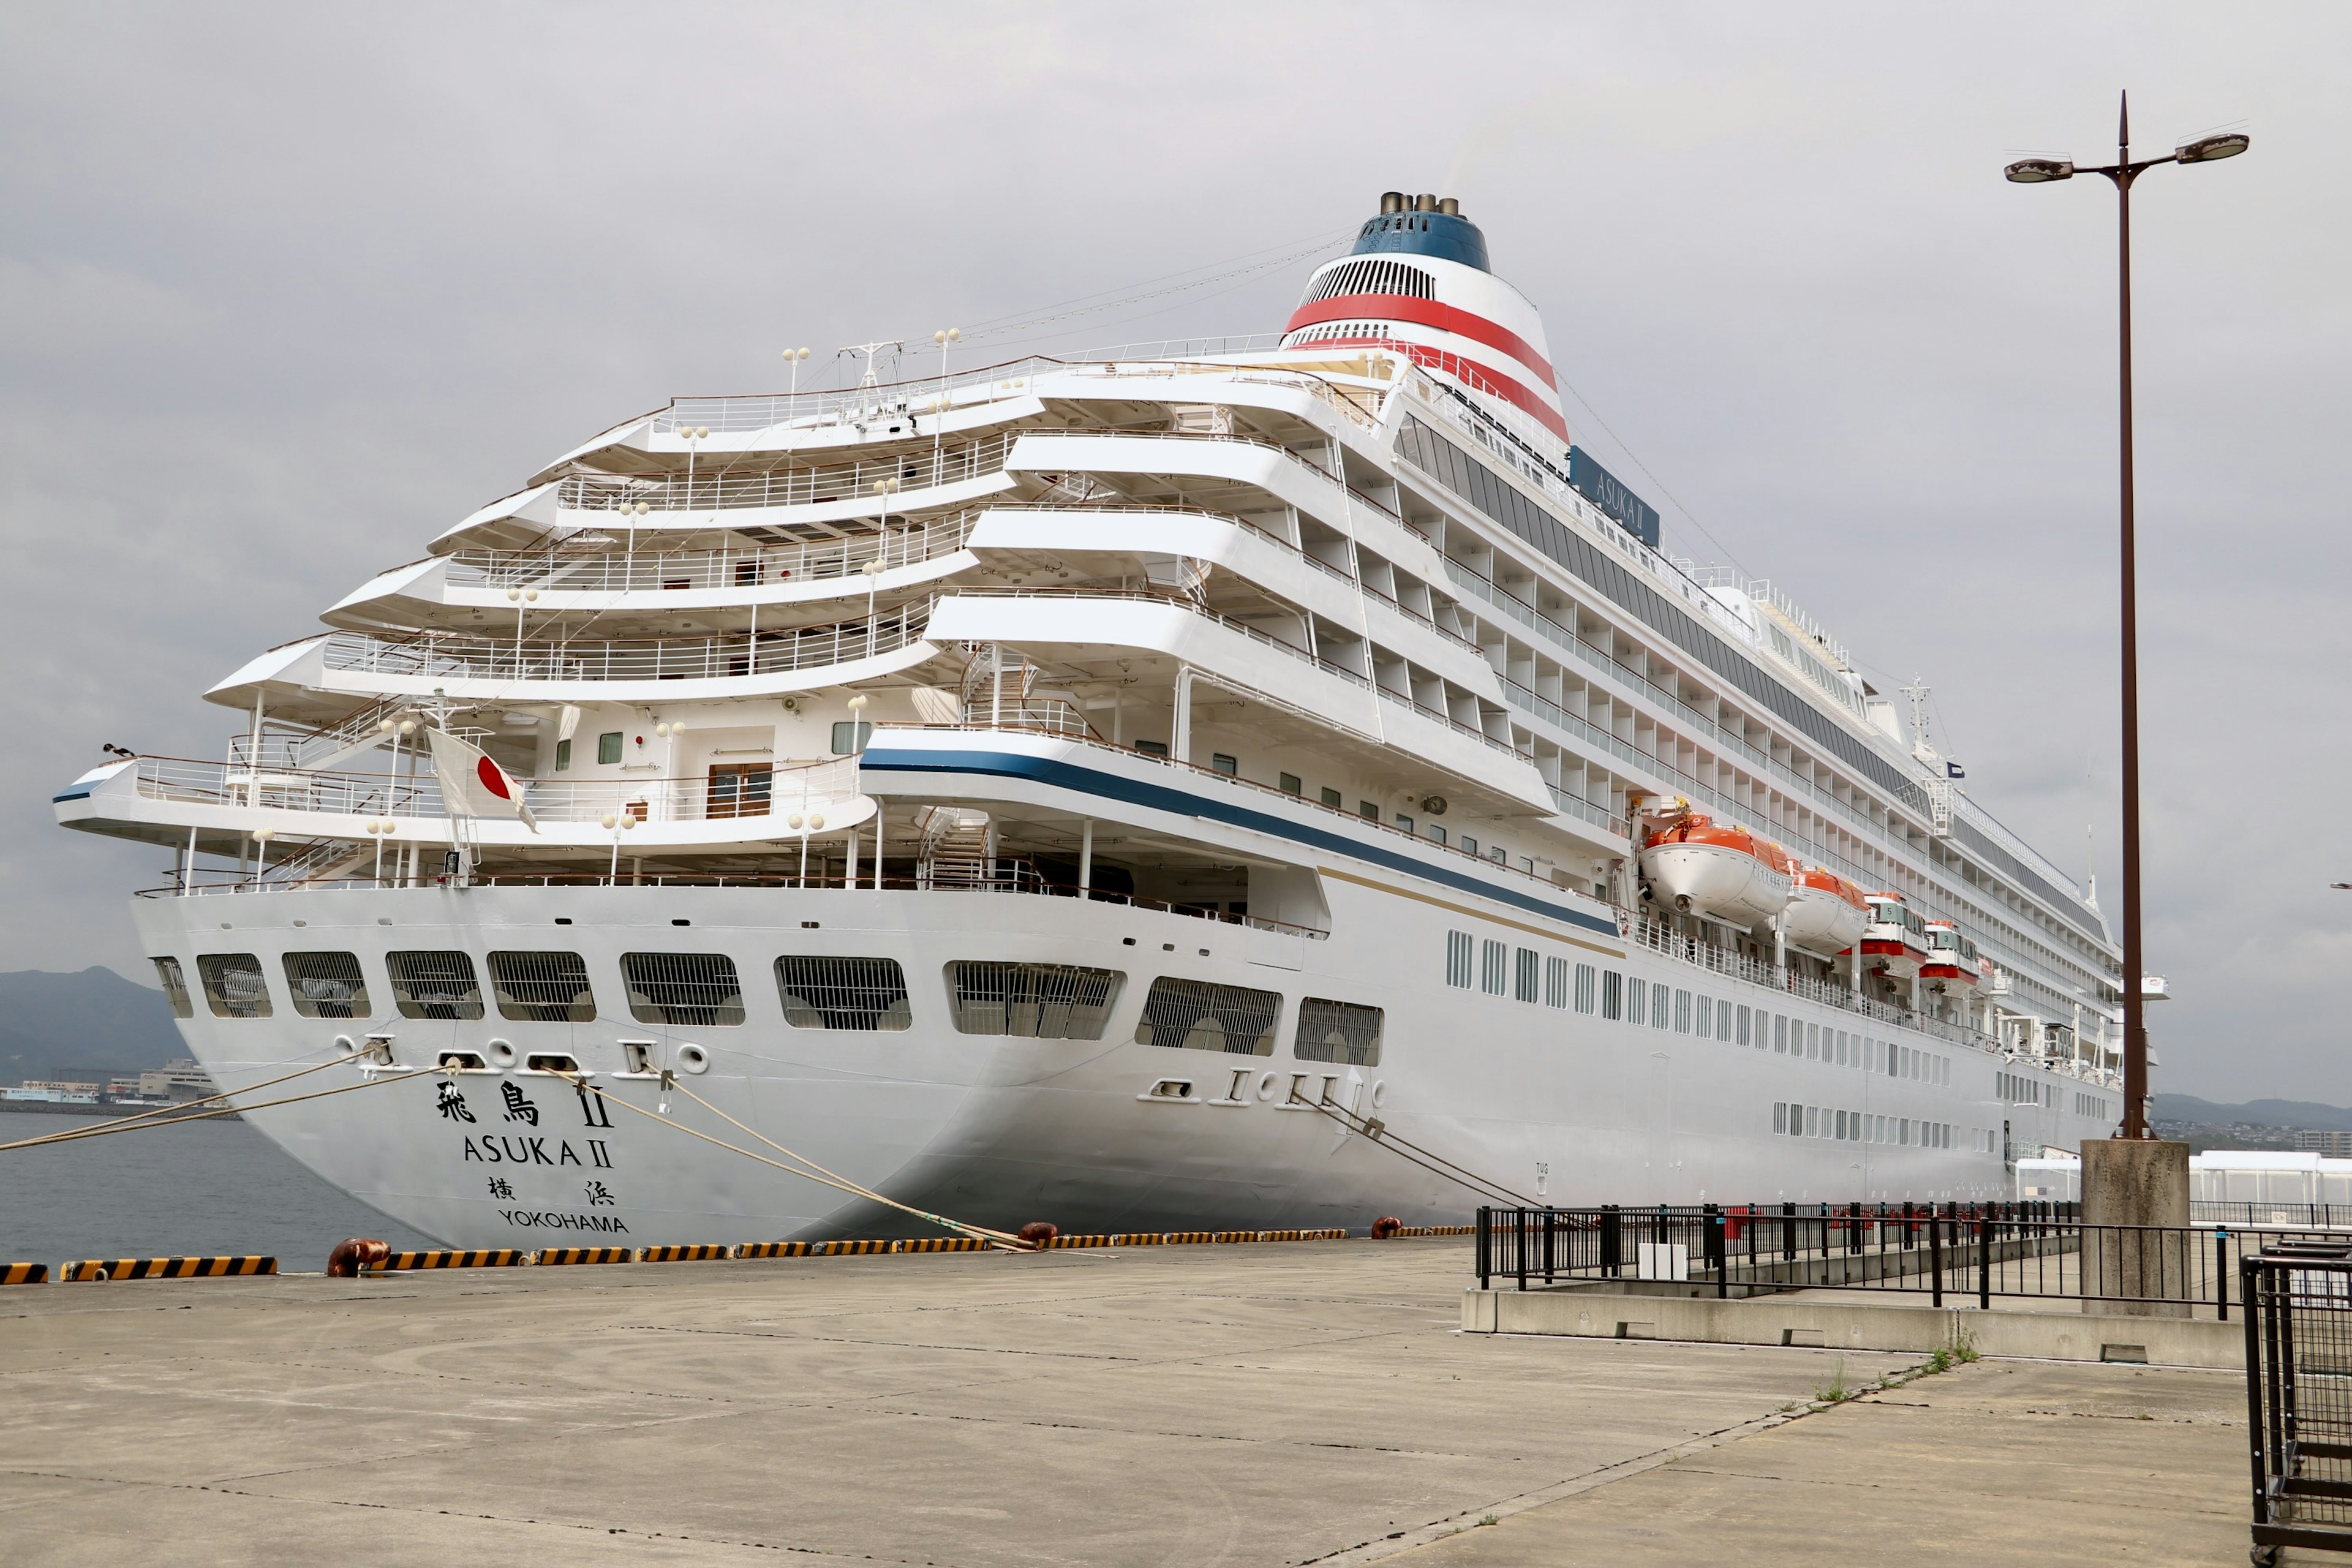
(1194, 786)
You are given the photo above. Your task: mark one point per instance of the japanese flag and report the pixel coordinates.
(473, 784)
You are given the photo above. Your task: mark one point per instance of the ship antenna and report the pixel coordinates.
(1923, 745)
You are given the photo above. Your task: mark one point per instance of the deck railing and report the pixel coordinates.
(714, 486)
(416, 794)
(644, 658)
(620, 570)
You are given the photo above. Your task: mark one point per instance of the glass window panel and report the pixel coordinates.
(1203, 1015)
(327, 984)
(1337, 1032)
(843, 994)
(234, 986)
(699, 989)
(1033, 1001)
(176, 986)
(434, 985)
(542, 987)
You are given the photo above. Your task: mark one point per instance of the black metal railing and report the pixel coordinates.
(2030, 1250)
(2298, 1316)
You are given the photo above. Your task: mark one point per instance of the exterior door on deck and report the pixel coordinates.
(740, 789)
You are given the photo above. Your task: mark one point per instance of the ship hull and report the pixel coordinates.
(1549, 1101)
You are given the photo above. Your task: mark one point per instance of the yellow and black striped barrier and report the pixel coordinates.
(771, 1249)
(547, 1256)
(949, 1244)
(24, 1273)
(101, 1269)
(1438, 1230)
(1081, 1241)
(493, 1257)
(851, 1248)
(690, 1252)
(1145, 1238)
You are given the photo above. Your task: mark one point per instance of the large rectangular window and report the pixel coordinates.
(1780, 1034)
(1555, 983)
(1612, 994)
(1203, 1015)
(608, 748)
(1458, 947)
(1585, 975)
(1338, 1032)
(1661, 1006)
(327, 984)
(1637, 999)
(176, 986)
(1032, 1001)
(434, 985)
(1494, 968)
(1742, 1016)
(697, 990)
(542, 987)
(234, 986)
(1524, 980)
(1682, 1012)
(843, 994)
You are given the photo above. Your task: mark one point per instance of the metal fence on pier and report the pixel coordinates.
(1960, 1251)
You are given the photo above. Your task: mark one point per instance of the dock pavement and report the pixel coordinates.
(1276, 1404)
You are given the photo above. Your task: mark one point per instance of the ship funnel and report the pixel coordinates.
(1426, 203)
(1450, 207)
(1391, 201)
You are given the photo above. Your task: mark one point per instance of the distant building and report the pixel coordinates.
(67, 1085)
(53, 1094)
(180, 1080)
(2332, 1145)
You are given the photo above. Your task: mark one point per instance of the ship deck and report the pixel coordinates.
(1273, 1404)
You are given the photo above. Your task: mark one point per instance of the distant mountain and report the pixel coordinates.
(2254, 1113)
(95, 1019)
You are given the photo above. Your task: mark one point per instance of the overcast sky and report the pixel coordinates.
(286, 290)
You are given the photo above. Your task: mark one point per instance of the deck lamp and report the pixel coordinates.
(2121, 174)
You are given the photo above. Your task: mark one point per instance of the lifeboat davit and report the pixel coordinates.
(1952, 963)
(1826, 912)
(1894, 942)
(1697, 866)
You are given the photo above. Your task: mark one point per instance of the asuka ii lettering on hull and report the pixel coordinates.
(1187, 749)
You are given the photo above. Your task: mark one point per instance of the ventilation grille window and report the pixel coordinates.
(542, 987)
(434, 985)
(233, 984)
(698, 989)
(1368, 276)
(1202, 1016)
(1033, 1001)
(175, 985)
(1338, 1032)
(327, 984)
(843, 994)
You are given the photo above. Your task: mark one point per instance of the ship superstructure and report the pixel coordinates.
(1114, 791)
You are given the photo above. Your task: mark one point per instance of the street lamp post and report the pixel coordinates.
(2122, 172)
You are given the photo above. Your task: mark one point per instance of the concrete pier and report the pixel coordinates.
(1274, 1403)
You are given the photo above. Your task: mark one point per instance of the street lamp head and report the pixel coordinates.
(2209, 149)
(2039, 171)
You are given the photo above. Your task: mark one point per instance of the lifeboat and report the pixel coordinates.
(1952, 964)
(1894, 942)
(1826, 912)
(1695, 866)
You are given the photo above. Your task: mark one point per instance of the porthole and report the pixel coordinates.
(693, 1058)
(1380, 1095)
(502, 1052)
(1268, 1083)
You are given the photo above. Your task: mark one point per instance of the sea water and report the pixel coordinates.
(194, 1187)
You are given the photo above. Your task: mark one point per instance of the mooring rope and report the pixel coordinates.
(123, 1123)
(812, 1170)
(1436, 1164)
(134, 1125)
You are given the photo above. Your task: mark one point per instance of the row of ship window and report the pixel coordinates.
(2016, 1089)
(703, 990)
(1799, 1121)
(1500, 970)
